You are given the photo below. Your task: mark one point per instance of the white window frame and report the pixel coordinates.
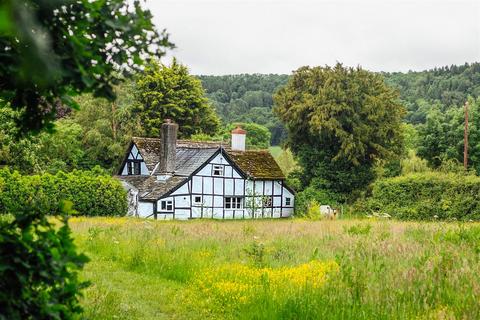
(220, 168)
(233, 203)
(168, 204)
(195, 202)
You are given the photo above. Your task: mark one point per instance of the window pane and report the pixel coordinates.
(228, 203)
(136, 167)
(163, 205)
(218, 170)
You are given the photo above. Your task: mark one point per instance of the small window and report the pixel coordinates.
(267, 201)
(288, 201)
(197, 200)
(233, 203)
(166, 205)
(218, 171)
(133, 167)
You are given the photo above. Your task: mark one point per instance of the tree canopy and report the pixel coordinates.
(442, 87)
(171, 92)
(247, 98)
(53, 50)
(441, 136)
(340, 122)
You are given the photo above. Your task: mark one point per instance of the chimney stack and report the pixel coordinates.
(169, 147)
(238, 139)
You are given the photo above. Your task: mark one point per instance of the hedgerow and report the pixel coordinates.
(427, 196)
(91, 193)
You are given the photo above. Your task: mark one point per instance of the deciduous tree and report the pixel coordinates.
(52, 50)
(171, 92)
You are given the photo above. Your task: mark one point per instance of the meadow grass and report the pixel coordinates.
(279, 269)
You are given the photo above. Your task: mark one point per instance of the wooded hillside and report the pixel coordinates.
(248, 97)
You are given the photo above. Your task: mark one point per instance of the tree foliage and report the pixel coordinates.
(247, 98)
(340, 122)
(91, 193)
(96, 134)
(170, 92)
(38, 267)
(441, 136)
(443, 87)
(52, 50)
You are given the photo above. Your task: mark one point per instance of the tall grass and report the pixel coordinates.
(287, 269)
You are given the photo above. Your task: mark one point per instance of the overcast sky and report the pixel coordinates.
(268, 36)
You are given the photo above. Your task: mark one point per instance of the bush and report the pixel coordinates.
(90, 193)
(38, 267)
(307, 200)
(427, 196)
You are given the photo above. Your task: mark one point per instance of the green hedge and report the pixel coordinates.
(91, 194)
(427, 196)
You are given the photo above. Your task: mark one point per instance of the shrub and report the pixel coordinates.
(38, 267)
(90, 193)
(306, 200)
(427, 196)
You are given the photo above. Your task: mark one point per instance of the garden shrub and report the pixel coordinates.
(38, 266)
(307, 200)
(427, 196)
(90, 193)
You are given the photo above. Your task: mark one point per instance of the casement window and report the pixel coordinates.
(197, 200)
(233, 202)
(166, 205)
(288, 201)
(267, 201)
(217, 170)
(133, 167)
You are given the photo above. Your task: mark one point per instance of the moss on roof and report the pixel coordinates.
(257, 164)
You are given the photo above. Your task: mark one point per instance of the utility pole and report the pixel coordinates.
(465, 139)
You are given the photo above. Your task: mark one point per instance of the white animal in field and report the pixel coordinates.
(328, 212)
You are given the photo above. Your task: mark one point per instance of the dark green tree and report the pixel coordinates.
(441, 136)
(341, 121)
(171, 92)
(52, 50)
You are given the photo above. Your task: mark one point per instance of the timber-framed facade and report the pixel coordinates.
(209, 180)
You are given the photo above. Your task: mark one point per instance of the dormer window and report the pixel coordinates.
(133, 167)
(217, 171)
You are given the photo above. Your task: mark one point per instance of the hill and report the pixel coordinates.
(248, 97)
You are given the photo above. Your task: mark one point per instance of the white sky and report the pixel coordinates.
(278, 36)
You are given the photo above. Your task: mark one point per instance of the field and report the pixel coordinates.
(283, 269)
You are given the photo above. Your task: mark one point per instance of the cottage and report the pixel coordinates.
(168, 178)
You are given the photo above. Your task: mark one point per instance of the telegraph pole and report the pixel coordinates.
(465, 139)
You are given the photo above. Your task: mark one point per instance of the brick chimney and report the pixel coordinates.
(238, 139)
(168, 136)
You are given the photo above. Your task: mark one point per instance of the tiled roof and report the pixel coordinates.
(257, 164)
(150, 187)
(153, 189)
(190, 159)
(191, 155)
(150, 149)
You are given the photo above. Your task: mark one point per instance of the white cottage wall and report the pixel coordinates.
(204, 194)
(145, 209)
